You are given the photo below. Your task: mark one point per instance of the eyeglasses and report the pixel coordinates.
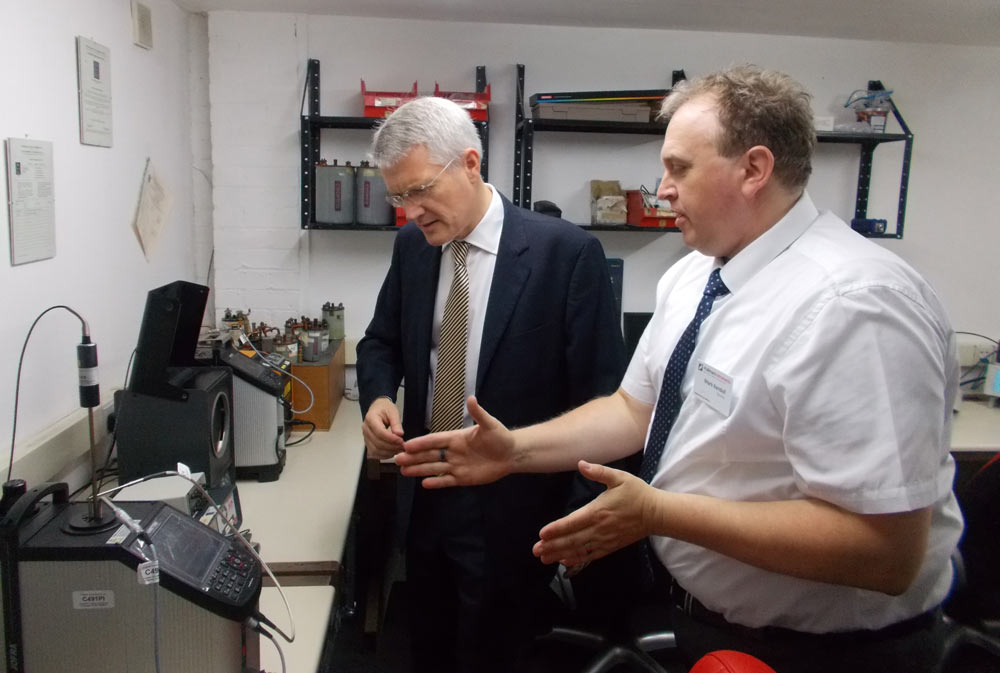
(417, 194)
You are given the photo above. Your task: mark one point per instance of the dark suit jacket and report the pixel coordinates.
(551, 341)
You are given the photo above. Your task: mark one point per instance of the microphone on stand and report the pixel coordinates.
(90, 397)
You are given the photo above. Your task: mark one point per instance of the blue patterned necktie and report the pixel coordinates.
(668, 404)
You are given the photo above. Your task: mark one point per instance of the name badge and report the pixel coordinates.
(714, 388)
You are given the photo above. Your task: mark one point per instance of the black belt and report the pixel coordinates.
(692, 607)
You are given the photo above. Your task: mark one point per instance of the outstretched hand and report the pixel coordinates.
(477, 455)
(615, 519)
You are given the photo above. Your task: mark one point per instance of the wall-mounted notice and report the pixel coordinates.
(151, 214)
(31, 200)
(93, 71)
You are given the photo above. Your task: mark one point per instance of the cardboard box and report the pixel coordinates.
(607, 202)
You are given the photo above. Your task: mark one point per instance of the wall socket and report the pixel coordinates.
(973, 349)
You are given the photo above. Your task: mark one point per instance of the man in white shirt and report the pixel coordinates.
(797, 476)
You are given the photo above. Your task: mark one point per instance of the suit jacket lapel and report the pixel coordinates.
(426, 264)
(509, 278)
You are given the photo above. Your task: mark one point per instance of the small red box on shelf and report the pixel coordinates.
(477, 104)
(400, 217)
(642, 215)
(383, 103)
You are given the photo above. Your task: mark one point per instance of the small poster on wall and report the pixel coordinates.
(151, 214)
(93, 71)
(31, 200)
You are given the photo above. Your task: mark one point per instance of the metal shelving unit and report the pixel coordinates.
(312, 125)
(524, 138)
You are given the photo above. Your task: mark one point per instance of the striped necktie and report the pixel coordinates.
(448, 408)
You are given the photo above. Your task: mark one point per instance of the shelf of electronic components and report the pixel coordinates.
(358, 122)
(656, 128)
(587, 126)
(525, 128)
(859, 138)
(312, 126)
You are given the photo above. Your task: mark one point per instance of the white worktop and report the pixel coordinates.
(303, 517)
(976, 427)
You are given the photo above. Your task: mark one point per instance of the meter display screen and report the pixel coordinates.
(184, 547)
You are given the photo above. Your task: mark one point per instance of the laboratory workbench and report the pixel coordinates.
(975, 438)
(975, 428)
(301, 522)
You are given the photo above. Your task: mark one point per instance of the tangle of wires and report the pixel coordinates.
(977, 371)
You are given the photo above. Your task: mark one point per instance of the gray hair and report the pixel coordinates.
(757, 107)
(438, 124)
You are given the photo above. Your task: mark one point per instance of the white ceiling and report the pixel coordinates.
(960, 22)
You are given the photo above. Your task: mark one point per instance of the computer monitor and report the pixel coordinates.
(168, 335)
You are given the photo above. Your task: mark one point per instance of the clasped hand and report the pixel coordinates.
(382, 429)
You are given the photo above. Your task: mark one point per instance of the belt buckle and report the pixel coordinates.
(681, 597)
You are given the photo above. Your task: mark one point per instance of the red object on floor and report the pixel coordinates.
(728, 661)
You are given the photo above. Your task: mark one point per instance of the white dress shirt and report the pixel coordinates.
(841, 369)
(484, 242)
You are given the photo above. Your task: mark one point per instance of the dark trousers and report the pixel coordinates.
(470, 613)
(916, 650)
(913, 646)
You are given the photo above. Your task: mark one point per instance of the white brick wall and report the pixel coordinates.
(201, 155)
(256, 68)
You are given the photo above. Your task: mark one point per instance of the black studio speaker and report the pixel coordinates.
(194, 427)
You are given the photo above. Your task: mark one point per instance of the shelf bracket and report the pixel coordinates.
(311, 91)
(518, 132)
(864, 172)
(309, 137)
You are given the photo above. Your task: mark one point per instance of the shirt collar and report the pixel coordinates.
(762, 250)
(486, 234)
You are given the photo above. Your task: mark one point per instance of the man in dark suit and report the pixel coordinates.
(537, 335)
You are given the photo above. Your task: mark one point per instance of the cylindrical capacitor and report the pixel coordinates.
(86, 362)
(311, 344)
(334, 315)
(324, 339)
(370, 204)
(335, 194)
(281, 346)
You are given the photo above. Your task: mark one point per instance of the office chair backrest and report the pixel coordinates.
(980, 545)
